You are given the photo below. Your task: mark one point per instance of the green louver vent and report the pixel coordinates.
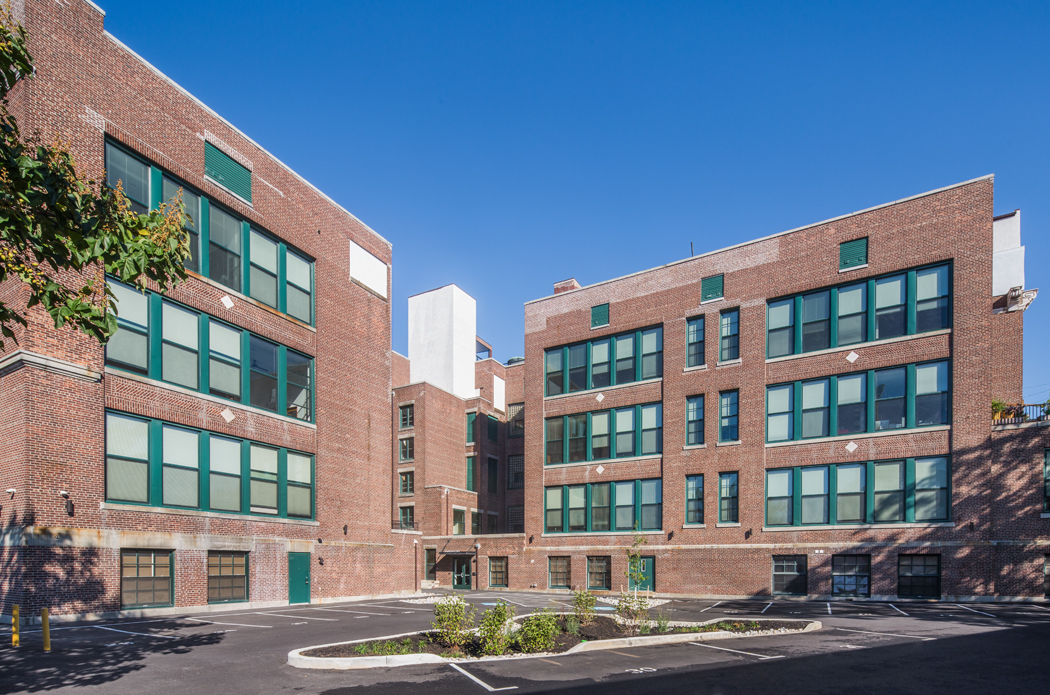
(853, 253)
(226, 171)
(599, 315)
(711, 288)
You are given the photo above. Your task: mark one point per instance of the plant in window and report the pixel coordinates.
(56, 220)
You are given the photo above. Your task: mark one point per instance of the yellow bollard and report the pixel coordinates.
(14, 626)
(47, 629)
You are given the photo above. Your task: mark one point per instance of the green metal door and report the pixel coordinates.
(460, 572)
(298, 577)
(647, 568)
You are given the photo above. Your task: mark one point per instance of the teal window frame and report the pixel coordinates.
(246, 577)
(729, 497)
(578, 435)
(406, 482)
(155, 364)
(563, 572)
(472, 474)
(868, 309)
(599, 567)
(729, 416)
(694, 420)
(493, 428)
(870, 399)
(157, 178)
(498, 571)
(712, 288)
(694, 500)
(600, 315)
(155, 465)
(461, 524)
(406, 517)
(153, 553)
(227, 172)
(912, 491)
(641, 498)
(472, 428)
(475, 523)
(406, 449)
(407, 416)
(853, 253)
(695, 349)
(562, 375)
(729, 335)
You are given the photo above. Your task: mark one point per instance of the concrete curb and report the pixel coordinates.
(296, 658)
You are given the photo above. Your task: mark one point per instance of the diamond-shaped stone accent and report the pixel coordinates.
(226, 301)
(227, 415)
(852, 357)
(600, 469)
(600, 397)
(851, 447)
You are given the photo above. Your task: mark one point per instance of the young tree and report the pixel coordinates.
(61, 234)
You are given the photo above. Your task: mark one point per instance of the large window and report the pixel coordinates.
(903, 397)
(498, 571)
(728, 498)
(632, 431)
(599, 573)
(729, 335)
(906, 303)
(227, 577)
(919, 576)
(195, 351)
(729, 416)
(603, 507)
(560, 574)
(516, 420)
(222, 246)
(472, 473)
(430, 560)
(472, 419)
(515, 472)
(275, 481)
(789, 575)
(694, 342)
(145, 578)
(459, 522)
(694, 499)
(851, 575)
(694, 421)
(902, 491)
(621, 359)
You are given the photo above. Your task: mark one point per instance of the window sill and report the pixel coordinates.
(858, 346)
(690, 447)
(856, 267)
(403, 495)
(711, 301)
(862, 435)
(600, 533)
(115, 371)
(601, 462)
(586, 392)
(1045, 515)
(736, 443)
(115, 506)
(687, 526)
(407, 533)
(729, 363)
(449, 487)
(697, 368)
(234, 294)
(855, 527)
(728, 524)
(598, 328)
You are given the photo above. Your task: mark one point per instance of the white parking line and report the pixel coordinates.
(897, 609)
(300, 617)
(889, 634)
(216, 622)
(710, 607)
(140, 634)
(976, 611)
(767, 606)
(343, 610)
(735, 651)
(482, 683)
(372, 605)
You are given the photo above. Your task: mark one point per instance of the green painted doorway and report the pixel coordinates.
(647, 568)
(460, 572)
(298, 577)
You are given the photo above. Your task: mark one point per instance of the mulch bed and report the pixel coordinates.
(601, 628)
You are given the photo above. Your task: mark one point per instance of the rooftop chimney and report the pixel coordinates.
(566, 286)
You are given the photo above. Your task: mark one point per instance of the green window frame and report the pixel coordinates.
(475, 523)
(599, 573)
(406, 449)
(459, 522)
(471, 427)
(406, 482)
(694, 420)
(712, 288)
(729, 416)
(167, 341)
(406, 518)
(498, 572)
(147, 578)
(559, 572)
(472, 474)
(154, 463)
(227, 172)
(895, 491)
(407, 416)
(903, 397)
(627, 505)
(694, 499)
(223, 246)
(600, 315)
(493, 429)
(608, 361)
(729, 335)
(853, 253)
(430, 560)
(694, 342)
(605, 434)
(903, 303)
(227, 577)
(729, 498)
(493, 476)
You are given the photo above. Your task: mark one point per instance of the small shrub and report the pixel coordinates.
(537, 632)
(631, 609)
(452, 622)
(494, 631)
(572, 625)
(583, 603)
(663, 623)
(644, 627)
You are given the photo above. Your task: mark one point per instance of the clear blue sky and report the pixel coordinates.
(505, 146)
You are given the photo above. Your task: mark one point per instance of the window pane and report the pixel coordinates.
(180, 447)
(179, 365)
(263, 252)
(889, 292)
(299, 468)
(299, 502)
(851, 478)
(778, 483)
(779, 423)
(298, 303)
(130, 348)
(931, 283)
(298, 385)
(853, 300)
(931, 378)
(132, 305)
(263, 356)
(127, 480)
(132, 175)
(600, 435)
(190, 200)
(225, 493)
(781, 333)
(264, 461)
(555, 438)
(224, 340)
(263, 286)
(225, 262)
(625, 432)
(555, 374)
(225, 455)
(180, 486)
(127, 437)
(264, 496)
(180, 326)
(652, 353)
(852, 398)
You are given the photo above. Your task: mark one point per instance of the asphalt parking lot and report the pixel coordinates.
(863, 648)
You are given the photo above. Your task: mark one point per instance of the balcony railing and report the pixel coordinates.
(399, 525)
(1020, 413)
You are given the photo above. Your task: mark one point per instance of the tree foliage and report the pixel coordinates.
(60, 233)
